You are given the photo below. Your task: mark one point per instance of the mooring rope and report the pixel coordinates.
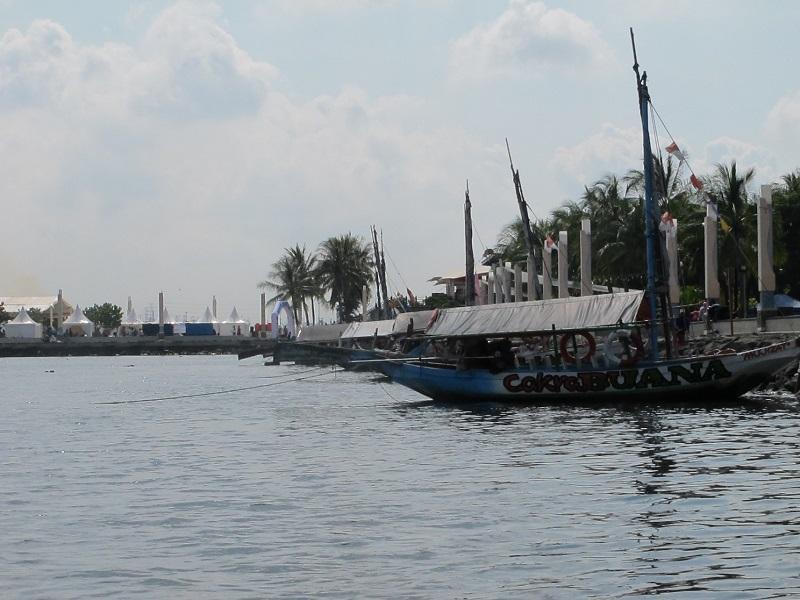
(228, 391)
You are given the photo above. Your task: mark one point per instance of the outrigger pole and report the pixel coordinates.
(649, 209)
(530, 242)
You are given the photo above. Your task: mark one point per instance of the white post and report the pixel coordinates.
(547, 272)
(518, 283)
(507, 282)
(672, 260)
(531, 278)
(214, 307)
(586, 257)
(160, 314)
(263, 314)
(766, 272)
(710, 229)
(498, 286)
(60, 310)
(563, 265)
(130, 304)
(364, 301)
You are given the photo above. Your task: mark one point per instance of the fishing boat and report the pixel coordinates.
(513, 352)
(601, 348)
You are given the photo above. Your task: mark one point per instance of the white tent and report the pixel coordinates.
(23, 326)
(131, 319)
(78, 324)
(208, 317)
(130, 325)
(234, 325)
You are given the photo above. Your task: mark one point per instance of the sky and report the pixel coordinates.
(181, 146)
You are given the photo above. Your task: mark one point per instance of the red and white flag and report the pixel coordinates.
(550, 245)
(411, 297)
(675, 151)
(698, 185)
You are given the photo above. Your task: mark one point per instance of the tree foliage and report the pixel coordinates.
(344, 268)
(294, 278)
(106, 315)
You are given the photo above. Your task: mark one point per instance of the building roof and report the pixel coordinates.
(42, 303)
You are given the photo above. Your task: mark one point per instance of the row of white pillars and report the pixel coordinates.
(498, 287)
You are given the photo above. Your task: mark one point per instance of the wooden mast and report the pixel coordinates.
(469, 281)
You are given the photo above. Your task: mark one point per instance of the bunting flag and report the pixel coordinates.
(550, 245)
(675, 151)
(666, 222)
(698, 185)
(411, 297)
(724, 224)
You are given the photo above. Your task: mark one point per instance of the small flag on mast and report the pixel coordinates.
(411, 297)
(550, 245)
(675, 151)
(698, 185)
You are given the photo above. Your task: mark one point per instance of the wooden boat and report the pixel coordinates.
(547, 351)
(715, 377)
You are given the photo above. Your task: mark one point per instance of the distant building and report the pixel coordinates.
(13, 304)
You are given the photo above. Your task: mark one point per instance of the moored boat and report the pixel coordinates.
(606, 348)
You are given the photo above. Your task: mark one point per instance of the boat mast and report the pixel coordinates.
(469, 292)
(378, 286)
(530, 243)
(650, 230)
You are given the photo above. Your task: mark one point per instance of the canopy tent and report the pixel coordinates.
(234, 325)
(537, 315)
(23, 326)
(130, 319)
(286, 308)
(130, 324)
(78, 324)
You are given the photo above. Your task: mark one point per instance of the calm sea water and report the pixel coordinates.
(345, 487)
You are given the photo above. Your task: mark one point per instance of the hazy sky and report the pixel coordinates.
(181, 146)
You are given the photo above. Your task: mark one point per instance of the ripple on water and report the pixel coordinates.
(352, 487)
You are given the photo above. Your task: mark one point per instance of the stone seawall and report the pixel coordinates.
(131, 346)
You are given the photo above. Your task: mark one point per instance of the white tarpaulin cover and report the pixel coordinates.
(78, 320)
(321, 333)
(23, 326)
(420, 318)
(359, 330)
(537, 315)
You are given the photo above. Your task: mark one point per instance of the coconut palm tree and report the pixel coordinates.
(787, 231)
(737, 212)
(344, 268)
(293, 278)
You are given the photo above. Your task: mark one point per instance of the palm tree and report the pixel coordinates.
(787, 231)
(675, 196)
(737, 213)
(293, 278)
(344, 268)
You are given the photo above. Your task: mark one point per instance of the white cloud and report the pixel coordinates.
(528, 38)
(177, 164)
(611, 150)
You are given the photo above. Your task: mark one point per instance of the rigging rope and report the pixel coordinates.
(228, 391)
(704, 197)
